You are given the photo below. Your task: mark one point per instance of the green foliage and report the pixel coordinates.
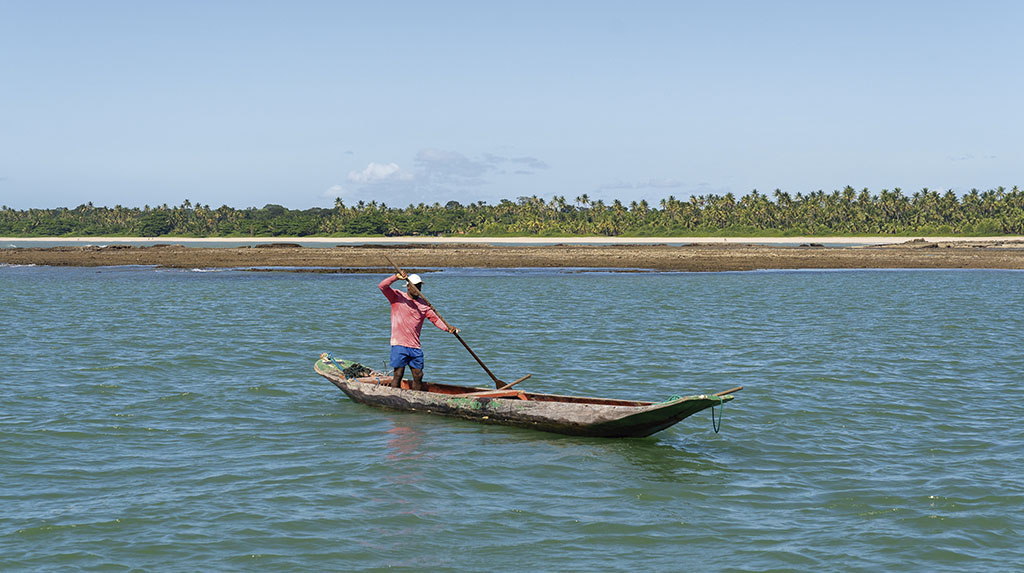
(846, 213)
(155, 224)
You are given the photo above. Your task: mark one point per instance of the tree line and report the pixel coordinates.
(844, 213)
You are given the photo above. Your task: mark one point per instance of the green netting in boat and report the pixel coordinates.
(355, 370)
(348, 368)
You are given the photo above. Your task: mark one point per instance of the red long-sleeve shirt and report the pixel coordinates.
(407, 315)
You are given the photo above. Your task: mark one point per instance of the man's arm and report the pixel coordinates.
(385, 287)
(439, 322)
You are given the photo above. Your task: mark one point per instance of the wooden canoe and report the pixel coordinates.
(572, 415)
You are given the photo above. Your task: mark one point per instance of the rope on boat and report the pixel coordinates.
(355, 370)
(715, 424)
(330, 356)
(721, 412)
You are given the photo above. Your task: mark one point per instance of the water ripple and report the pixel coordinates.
(154, 419)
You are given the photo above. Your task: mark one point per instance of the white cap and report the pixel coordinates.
(414, 279)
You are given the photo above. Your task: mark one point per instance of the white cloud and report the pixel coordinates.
(334, 191)
(970, 157)
(660, 183)
(378, 173)
(451, 166)
(429, 155)
(654, 183)
(530, 162)
(615, 185)
(436, 173)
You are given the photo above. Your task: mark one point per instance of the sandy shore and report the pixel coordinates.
(348, 255)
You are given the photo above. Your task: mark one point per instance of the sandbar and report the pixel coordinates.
(662, 254)
(875, 240)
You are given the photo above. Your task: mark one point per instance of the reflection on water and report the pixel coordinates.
(403, 443)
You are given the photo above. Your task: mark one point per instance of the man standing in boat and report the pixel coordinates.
(407, 314)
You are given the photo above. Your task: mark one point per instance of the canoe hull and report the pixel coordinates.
(571, 415)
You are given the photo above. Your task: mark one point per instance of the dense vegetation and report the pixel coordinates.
(847, 212)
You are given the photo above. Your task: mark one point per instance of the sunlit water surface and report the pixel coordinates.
(171, 420)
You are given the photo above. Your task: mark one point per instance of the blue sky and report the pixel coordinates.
(246, 103)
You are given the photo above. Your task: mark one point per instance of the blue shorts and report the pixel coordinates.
(402, 355)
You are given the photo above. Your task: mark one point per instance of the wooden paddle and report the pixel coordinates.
(416, 292)
(499, 393)
(723, 393)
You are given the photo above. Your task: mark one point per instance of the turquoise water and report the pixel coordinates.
(171, 420)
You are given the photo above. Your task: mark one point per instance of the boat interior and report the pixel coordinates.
(510, 394)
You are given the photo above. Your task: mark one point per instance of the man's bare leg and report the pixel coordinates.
(417, 378)
(396, 382)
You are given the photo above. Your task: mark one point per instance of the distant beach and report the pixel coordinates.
(367, 254)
